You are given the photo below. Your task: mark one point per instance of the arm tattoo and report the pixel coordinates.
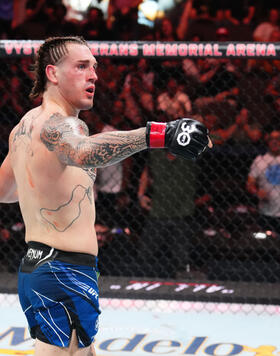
(58, 128)
(68, 138)
(52, 216)
(110, 147)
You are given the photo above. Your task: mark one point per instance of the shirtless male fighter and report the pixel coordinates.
(50, 169)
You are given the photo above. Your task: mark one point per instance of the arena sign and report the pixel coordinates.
(157, 49)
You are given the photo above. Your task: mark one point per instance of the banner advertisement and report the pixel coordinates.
(126, 329)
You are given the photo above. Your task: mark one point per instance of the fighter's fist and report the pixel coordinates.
(183, 137)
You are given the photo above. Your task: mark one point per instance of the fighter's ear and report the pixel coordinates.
(51, 73)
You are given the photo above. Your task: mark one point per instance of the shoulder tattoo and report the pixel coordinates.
(58, 127)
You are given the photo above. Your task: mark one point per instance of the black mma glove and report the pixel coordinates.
(184, 137)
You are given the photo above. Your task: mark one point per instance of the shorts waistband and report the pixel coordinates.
(38, 253)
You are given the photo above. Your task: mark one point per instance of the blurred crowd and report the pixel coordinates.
(152, 200)
(204, 20)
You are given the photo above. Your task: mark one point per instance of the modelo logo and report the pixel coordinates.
(141, 344)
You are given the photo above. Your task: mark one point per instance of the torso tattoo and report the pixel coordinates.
(51, 216)
(69, 139)
(23, 132)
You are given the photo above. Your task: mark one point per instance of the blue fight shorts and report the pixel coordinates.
(58, 292)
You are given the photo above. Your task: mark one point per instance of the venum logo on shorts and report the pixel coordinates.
(184, 137)
(33, 254)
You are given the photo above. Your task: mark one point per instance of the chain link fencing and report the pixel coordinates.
(169, 228)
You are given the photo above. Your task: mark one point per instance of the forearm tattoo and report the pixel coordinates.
(68, 137)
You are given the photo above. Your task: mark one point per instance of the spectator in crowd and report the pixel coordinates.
(39, 19)
(238, 12)
(218, 134)
(264, 183)
(111, 76)
(264, 30)
(103, 234)
(6, 18)
(12, 14)
(270, 66)
(272, 122)
(224, 16)
(38, 14)
(250, 15)
(13, 105)
(169, 206)
(218, 79)
(190, 22)
(122, 19)
(78, 12)
(201, 11)
(19, 12)
(197, 71)
(139, 90)
(273, 87)
(185, 20)
(241, 131)
(173, 101)
(191, 68)
(116, 6)
(112, 200)
(26, 75)
(38, 9)
(92, 119)
(165, 30)
(110, 189)
(5, 127)
(139, 103)
(58, 25)
(249, 131)
(145, 74)
(94, 27)
(200, 21)
(117, 117)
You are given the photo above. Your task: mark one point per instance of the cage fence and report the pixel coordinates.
(167, 228)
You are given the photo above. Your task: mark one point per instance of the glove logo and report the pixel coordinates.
(184, 137)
